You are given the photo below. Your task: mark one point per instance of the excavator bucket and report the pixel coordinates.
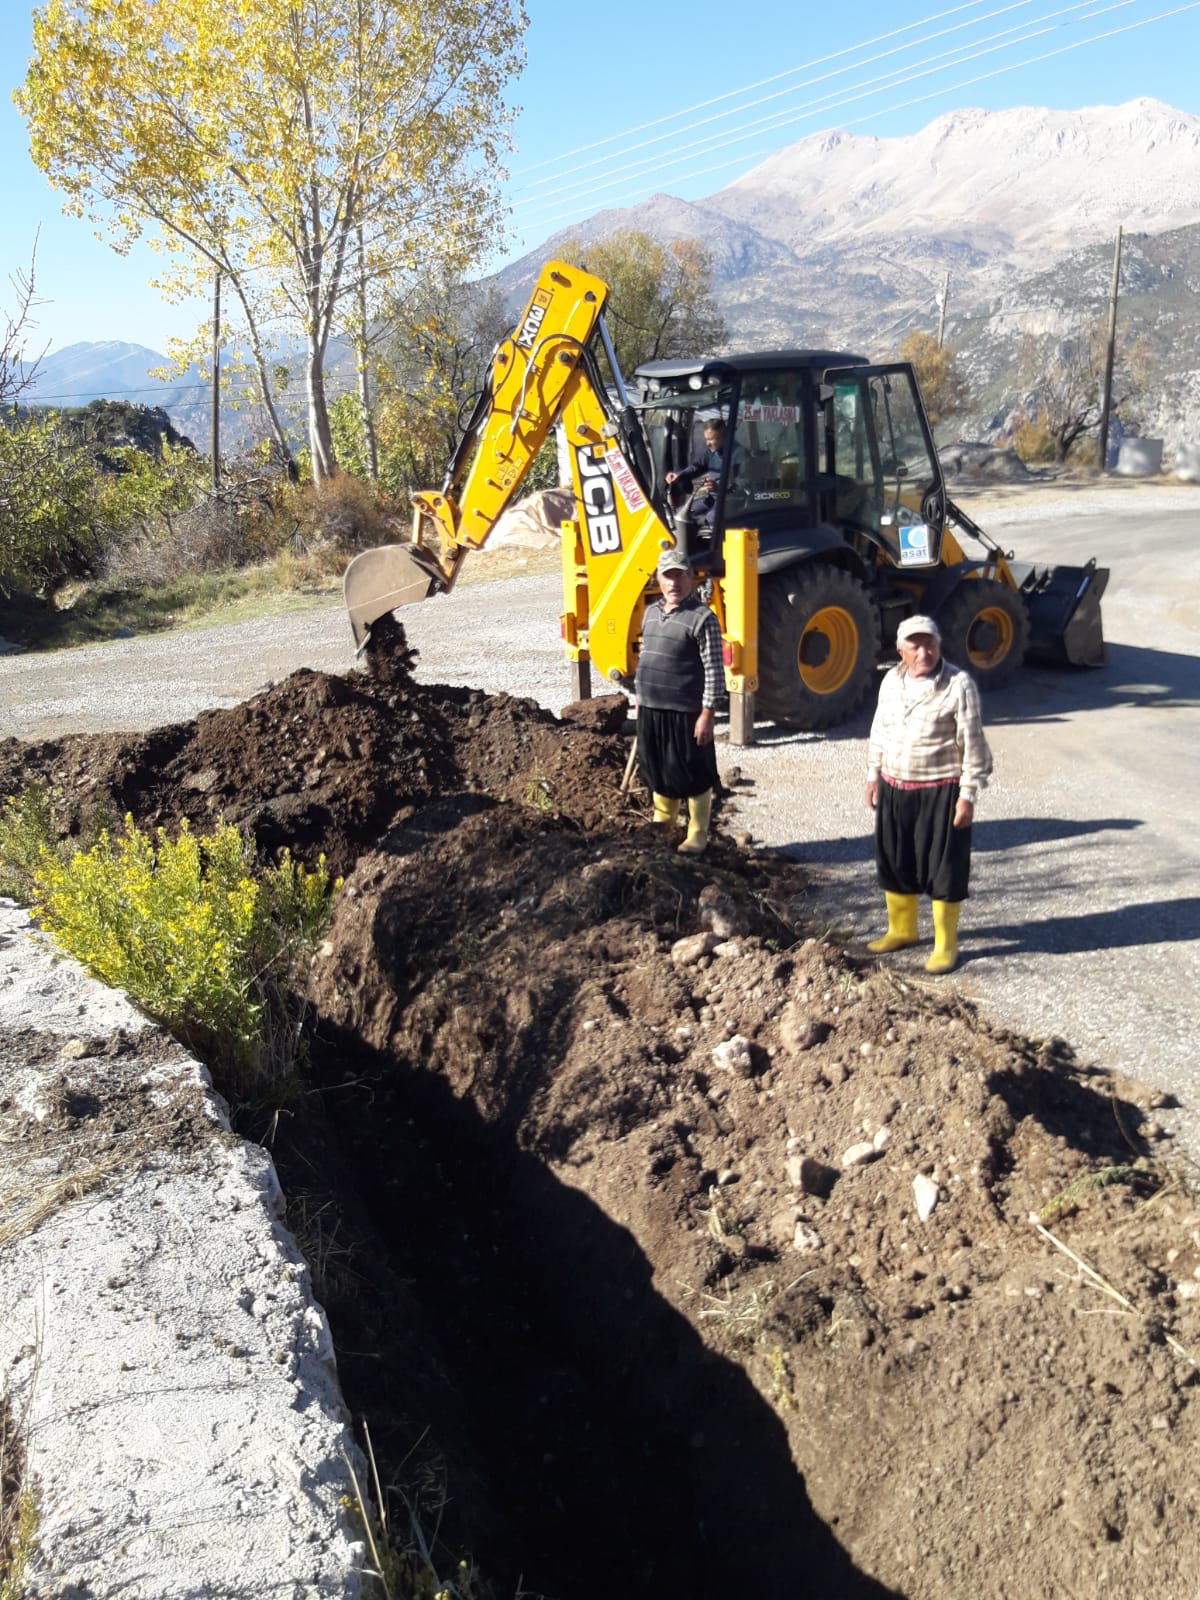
(379, 580)
(1064, 612)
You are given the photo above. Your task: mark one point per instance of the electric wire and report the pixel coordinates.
(848, 97)
(730, 94)
(584, 208)
(778, 94)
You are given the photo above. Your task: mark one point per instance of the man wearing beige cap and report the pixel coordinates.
(680, 675)
(927, 760)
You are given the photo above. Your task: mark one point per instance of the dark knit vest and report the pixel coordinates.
(670, 670)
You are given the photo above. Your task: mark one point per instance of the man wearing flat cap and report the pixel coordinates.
(927, 760)
(680, 676)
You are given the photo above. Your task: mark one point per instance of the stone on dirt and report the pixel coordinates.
(926, 1192)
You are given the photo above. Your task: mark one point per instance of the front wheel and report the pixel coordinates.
(818, 646)
(985, 628)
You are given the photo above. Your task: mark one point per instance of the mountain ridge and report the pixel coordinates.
(842, 239)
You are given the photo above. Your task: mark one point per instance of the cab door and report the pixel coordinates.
(882, 474)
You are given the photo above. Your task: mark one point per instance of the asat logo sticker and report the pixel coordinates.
(914, 544)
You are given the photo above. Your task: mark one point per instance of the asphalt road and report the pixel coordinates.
(1084, 920)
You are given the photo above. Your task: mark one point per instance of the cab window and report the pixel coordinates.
(768, 469)
(881, 459)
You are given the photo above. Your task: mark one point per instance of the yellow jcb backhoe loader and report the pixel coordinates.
(827, 525)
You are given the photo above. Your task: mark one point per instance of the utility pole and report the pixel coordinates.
(1106, 400)
(216, 383)
(944, 296)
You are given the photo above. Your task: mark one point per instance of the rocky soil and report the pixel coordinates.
(670, 1248)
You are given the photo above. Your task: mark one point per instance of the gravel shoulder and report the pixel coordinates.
(172, 1376)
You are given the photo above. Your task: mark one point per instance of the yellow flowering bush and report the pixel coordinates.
(199, 937)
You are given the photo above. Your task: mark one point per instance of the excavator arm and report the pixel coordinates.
(542, 370)
(546, 372)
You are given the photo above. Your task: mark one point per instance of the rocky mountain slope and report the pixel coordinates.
(846, 240)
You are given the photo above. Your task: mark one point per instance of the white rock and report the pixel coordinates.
(1188, 1290)
(882, 1138)
(858, 1155)
(686, 952)
(926, 1194)
(805, 1237)
(733, 1055)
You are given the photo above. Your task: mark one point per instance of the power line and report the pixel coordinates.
(847, 96)
(730, 94)
(823, 103)
(583, 209)
(778, 94)
(35, 398)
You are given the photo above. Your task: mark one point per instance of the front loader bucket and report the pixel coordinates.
(379, 580)
(1064, 612)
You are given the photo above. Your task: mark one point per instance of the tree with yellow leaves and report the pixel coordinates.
(943, 388)
(661, 302)
(310, 151)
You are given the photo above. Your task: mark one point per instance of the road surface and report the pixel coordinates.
(1084, 920)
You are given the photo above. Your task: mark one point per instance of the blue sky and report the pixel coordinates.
(595, 75)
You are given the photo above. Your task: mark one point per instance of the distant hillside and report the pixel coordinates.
(846, 241)
(112, 370)
(105, 370)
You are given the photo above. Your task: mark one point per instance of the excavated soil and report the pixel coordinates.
(670, 1250)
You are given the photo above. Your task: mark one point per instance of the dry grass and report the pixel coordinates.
(18, 1509)
(1089, 1276)
(25, 1203)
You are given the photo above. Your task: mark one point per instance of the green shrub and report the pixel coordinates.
(200, 938)
(27, 833)
(50, 529)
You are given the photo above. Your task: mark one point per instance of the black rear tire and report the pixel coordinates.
(985, 629)
(818, 646)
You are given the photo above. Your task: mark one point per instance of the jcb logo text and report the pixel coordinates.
(599, 503)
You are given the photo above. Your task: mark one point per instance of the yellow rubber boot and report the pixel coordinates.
(902, 924)
(665, 810)
(945, 937)
(699, 813)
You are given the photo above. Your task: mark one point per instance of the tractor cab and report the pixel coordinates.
(818, 449)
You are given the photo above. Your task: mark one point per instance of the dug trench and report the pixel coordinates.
(671, 1249)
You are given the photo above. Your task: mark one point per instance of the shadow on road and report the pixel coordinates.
(1154, 922)
(1010, 833)
(1133, 676)
(991, 837)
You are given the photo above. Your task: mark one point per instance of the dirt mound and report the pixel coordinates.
(766, 1123)
(699, 1252)
(323, 763)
